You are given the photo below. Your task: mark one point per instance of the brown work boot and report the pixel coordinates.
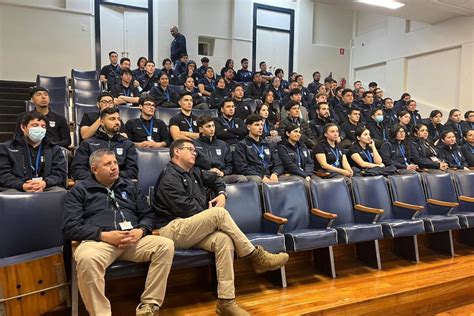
(264, 261)
(230, 308)
(147, 310)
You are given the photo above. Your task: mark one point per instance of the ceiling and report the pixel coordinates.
(427, 11)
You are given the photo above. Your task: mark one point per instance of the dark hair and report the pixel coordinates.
(402, 113)
(316, 72)
(150, 62)
(320, 94)
(265, 93)
(435, 112)
(451, 113)
(445, 133)
(209, 67)
(366, 93)
(219, 79)
(140, 59)
(375, 110)
(203, 120)
(204, 60)
(353, 109)
(237, 86)
(182, 94)
(466, 115)
(404, 95)
(228, 68)
(417, 128)
(386, 99)
(163, 74)
(226, 100)
(256, 73)
(165, 61)
(337, 89)
(357, 81)
(373, 84)
(124, 59)
(33, 115)
(144, 99)
(37, 89)
(259, 107)
(112, 52)
(394, 130)
(278, 70)
(261, 63)
(178, 144)
(291, 104)
(295, 91)
(109, 111)
(243, 59)
(290, 127)
(464, 134)
(346, 91)
(318, 105)
(126, 71)
(410, 101)
(227, 63)
(359, 130)
(328, 80)
(298, 76)
(104, 94)
(253, 118)
(322, 138)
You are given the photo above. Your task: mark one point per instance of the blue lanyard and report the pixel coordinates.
(384, 134)
(337, 163)
(261, 154)
(266, 127)
(402, 151)
(227, 122)
(368, 154)
(190, 124)
(126, 92)
(149, 132)
(167, 94)
(414, 118)
(299, 158)
(456, 158)
(37, 166)
(472, 149)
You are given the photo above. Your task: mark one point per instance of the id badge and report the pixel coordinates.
(190, 129)
(126, 225)
(435, 159)
(37, 179)
(149, 138)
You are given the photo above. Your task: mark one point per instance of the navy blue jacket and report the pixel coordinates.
(213, 153)
(422, 152)
(178, 47)
(124, 152)
(248, 162)
(231, 131)
(296, 160)
(392, 155)
(452, 155)
(89, 210)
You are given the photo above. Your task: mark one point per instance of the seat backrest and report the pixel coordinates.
(80, 109)
(86, 84)
(150, 161)
(60, 108)
(128, 113)
(176, 89)
(85, 97)
(57, 87)
(407, 188)
(373, 192)
(332, 195)
(439, 187)
(464, 183)
(86, 74)
(210, 112)
(243, 204)
(288, 200)
(251, 103)
(30, 222)
(165, 114)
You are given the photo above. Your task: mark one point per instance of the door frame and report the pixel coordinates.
(291, 32)
(98, 50)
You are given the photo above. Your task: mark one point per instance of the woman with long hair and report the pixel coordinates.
(423, 151)
(468, 148)
(396, 152)
(363, 153)
(450, 152)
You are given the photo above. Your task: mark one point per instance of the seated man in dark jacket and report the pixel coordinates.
(229, 128)
(256, 88)
(29, 162)
(214, 154)
(190, 220)
(108, 136)
(57, 128)
(254, 157)
(111, 217)
(293, 117)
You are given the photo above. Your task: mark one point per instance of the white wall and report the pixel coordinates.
(420, 61)
(46, 39)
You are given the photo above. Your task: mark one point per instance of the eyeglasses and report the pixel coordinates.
(191, 149)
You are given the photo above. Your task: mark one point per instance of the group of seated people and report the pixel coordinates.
(295, 132)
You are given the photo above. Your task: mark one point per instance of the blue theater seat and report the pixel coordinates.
(373, 192)
(151, 161)
(464, 183)
(128, 113)
(84, 74)
(306, 229)
(408, 194)
(57, 87)
(85, 84)
(210, 112)
(354, 225)
(165, 114)
(85, 97)
(58, 108)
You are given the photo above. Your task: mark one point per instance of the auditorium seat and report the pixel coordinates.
(176, 89)
(251, 103)
(128, 113)
(354, 225)
(210, 112)
(57, 87)
(243, 204)
(151, 161)
(79, 110)
(305, 229)
(58, 108)
(373, 192)
(85, 84)
(85, 97)
(438, 221)
(165, 114)
(84, 74)
(464, 183)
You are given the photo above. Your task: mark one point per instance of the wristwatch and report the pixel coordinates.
(145, 231)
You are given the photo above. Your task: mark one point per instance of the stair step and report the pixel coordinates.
(12, 102)
(8, 127)
(8, 117)
(17, 84)
(25, 91)
(4, 136)
(5, 109)
(13, 96)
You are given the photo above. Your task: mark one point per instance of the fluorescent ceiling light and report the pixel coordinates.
(383, 3)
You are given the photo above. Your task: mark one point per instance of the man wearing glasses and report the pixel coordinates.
(185, 215)
(147, 131)
(90, 121)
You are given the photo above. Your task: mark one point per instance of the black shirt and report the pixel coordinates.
(333, 155)
(349, 130)
(366, 154)
(119, 89)
(138, 130)
(185, 123)
(90, 117)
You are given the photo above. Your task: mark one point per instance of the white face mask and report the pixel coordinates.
(36, 134)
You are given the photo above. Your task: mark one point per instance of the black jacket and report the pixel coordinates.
(242, 109)
(217, 96)
(161, 96)
(434, 131)
(15, 167)
(248, 162)
(317, 125)
(296, 160)
(255, 92)
(179, 193)
(89, 209)
(342, 110)
(124, 152)
(422, 152)
(456, 128)
(231, 131)
(392, 155)
(178, 47)
(452, 155)
(378, 131)
(468, 153)
(307, 136)
(213, 153)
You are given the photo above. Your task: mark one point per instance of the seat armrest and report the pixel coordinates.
(323, 214)
(408, 206)
(466, 198)
(321, 173)
(442, 203)
(366, 209)
(275, 219)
